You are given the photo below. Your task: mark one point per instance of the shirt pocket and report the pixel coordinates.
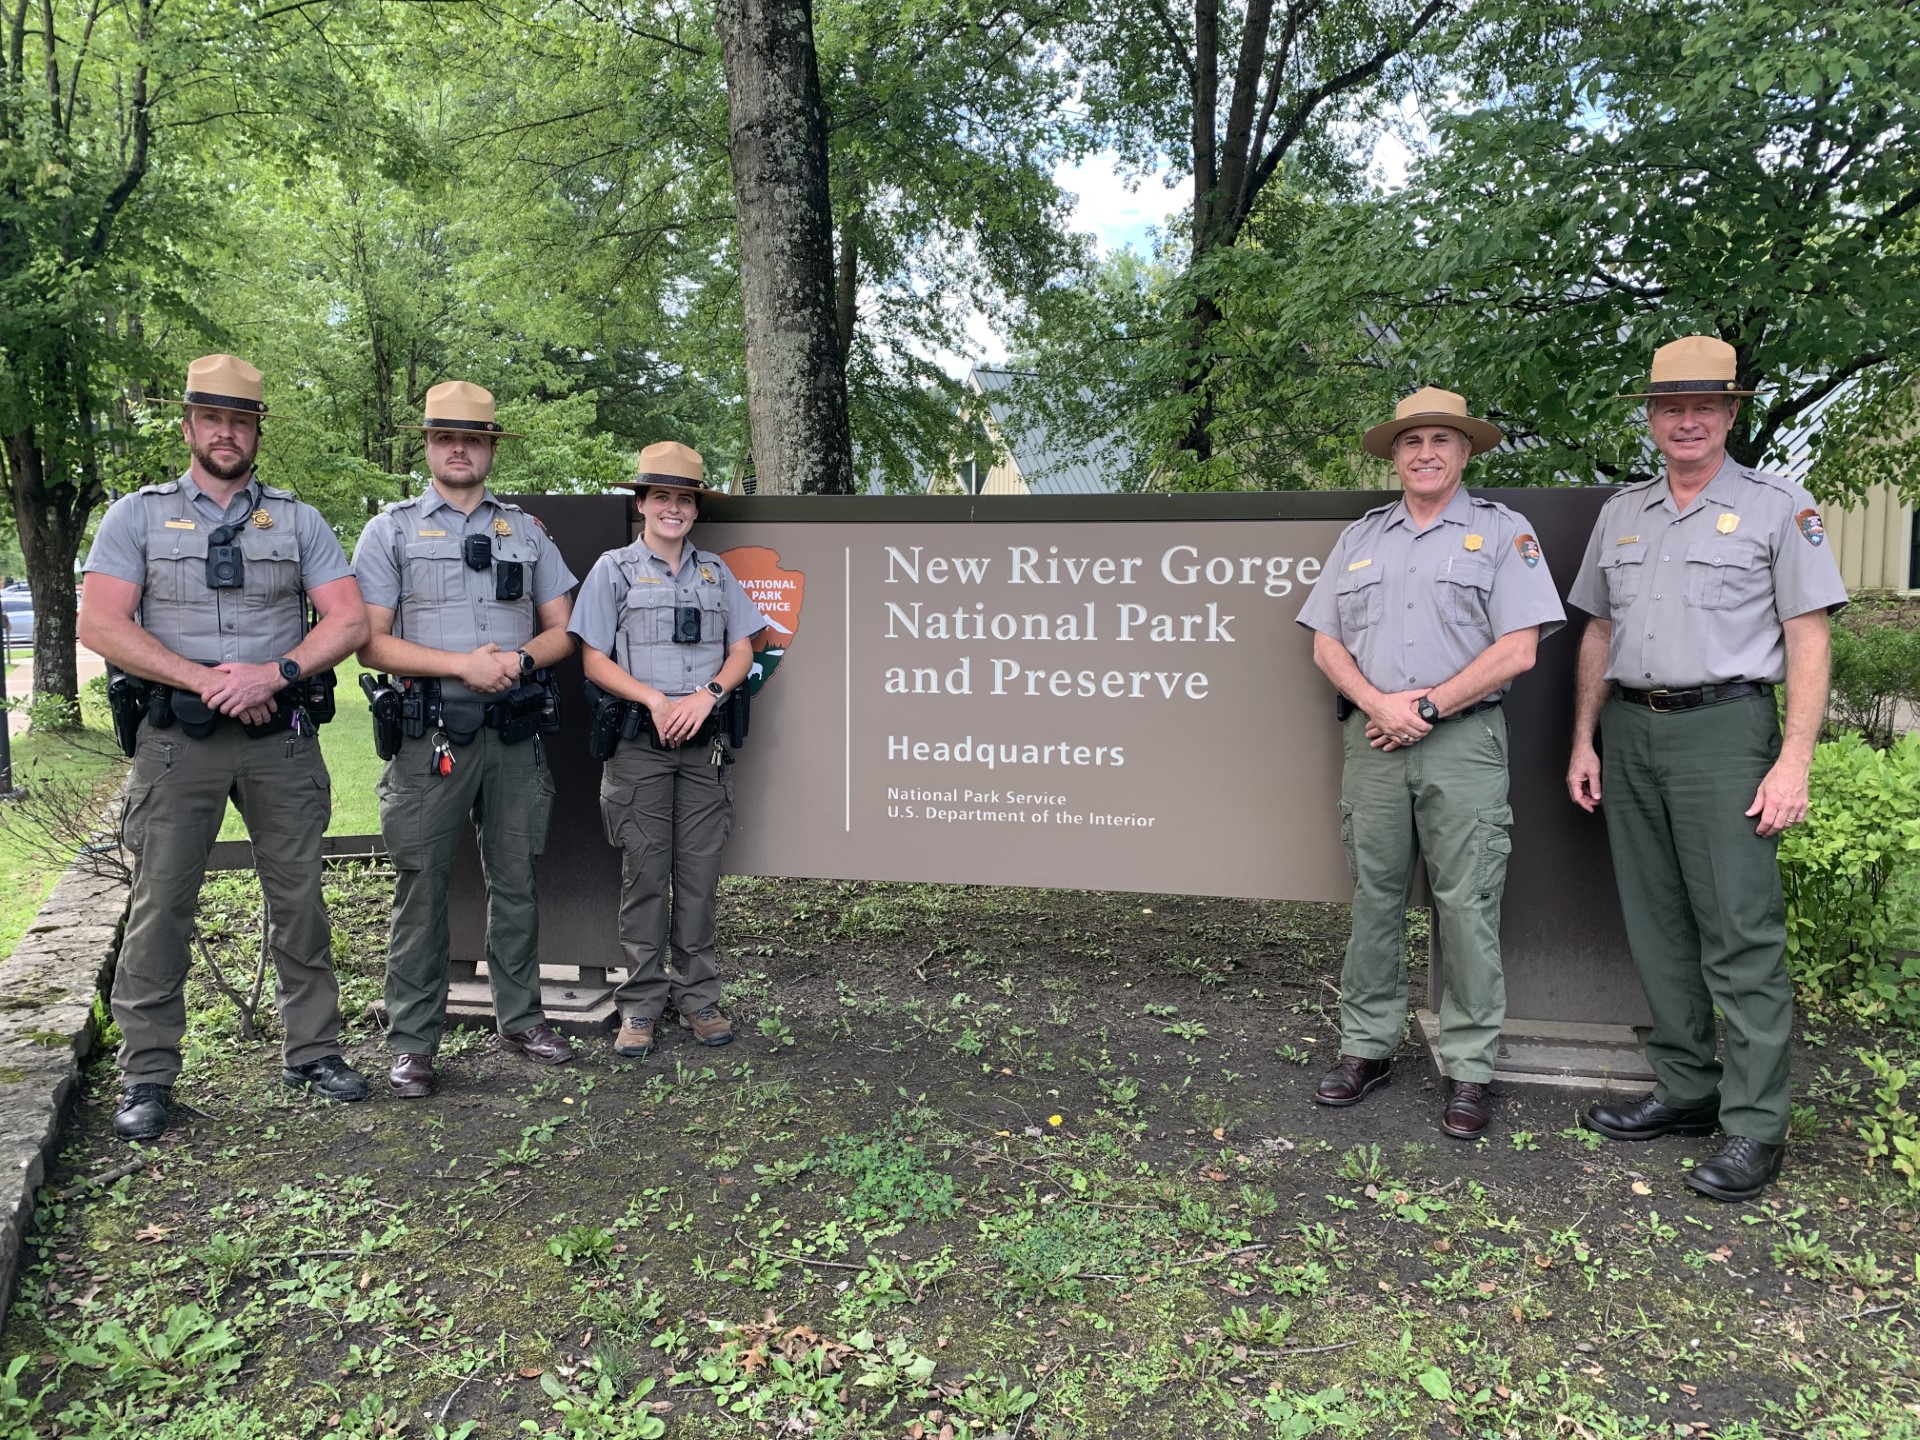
(1361, 600)
(177, 565)
(1625, 570)
(273, 566)
(433, 573)
(1723, 574)
(712, 600)
(647, 613)
(1464, 589)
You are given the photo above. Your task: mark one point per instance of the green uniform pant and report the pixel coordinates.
(1706, 919)
(506, 791)
(670, 812)
(1447, 796)
(176, 799)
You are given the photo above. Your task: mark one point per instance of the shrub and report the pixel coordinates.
(1852, 873)
(1874, 671)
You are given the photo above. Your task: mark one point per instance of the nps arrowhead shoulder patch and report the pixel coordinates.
(1811, 527)
(1529, 549)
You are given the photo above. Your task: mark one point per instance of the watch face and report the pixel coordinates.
(289, 670)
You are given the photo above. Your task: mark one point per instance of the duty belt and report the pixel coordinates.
(1663, 702)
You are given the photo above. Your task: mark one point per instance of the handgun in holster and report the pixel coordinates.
(127, 701)
(384, 699)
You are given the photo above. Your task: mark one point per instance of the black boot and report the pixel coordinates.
(143, 1112)
(1649, 1119)
(1741, 1170)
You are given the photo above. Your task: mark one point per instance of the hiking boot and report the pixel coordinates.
(635, 1039)
(412, 1077)
(709, 1026)
(1349, 1082)
(143, 1112)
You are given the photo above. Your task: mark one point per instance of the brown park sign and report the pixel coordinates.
(1082, 692)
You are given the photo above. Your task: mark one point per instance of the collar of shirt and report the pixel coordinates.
(1459, 511)
(433, 500)
(1719, 488)
(249, 492)
(689, 558)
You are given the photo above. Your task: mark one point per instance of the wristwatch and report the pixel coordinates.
(289, 669)
(526, 664)
(1427, 711)
(716, 690)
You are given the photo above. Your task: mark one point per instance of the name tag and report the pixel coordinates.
(648, 580)
(1360, 564)
(436, 534)
(180, 525)
(1628, 540)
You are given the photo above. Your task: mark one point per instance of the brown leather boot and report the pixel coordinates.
(635, 1039)
(540, 1043)
(709, 1026)
(1349, 1082)
(1468, 1110)
(412, 1077)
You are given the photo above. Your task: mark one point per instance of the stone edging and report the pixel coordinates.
(47, 990)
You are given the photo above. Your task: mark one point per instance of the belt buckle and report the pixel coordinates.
(1654, 699)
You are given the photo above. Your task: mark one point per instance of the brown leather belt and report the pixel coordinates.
(1663, 702)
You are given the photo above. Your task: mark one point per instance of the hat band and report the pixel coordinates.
(648, 477)
(1679, 387)
(224, 402)
(490, 427)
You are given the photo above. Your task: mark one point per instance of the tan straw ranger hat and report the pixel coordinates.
(1691, 365)
(1430, 406)
(222, 382)
(458, 405)
(669, 463)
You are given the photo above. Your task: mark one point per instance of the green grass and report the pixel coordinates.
(30, 864)
(348, 745)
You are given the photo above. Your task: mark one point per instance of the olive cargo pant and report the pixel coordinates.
(1706, 918)
(176, 799)
(669, 812)
(506, 792)
(1447, 797)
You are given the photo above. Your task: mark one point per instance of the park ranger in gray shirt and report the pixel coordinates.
(468, 598)
(1709, 587)
(666, 626)
(200, 587)
(1424, 613)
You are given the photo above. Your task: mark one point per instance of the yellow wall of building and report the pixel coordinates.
(1872, 540)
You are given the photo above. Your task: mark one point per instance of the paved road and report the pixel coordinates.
(20, 683)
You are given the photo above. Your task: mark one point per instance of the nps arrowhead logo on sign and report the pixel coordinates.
(778, 594)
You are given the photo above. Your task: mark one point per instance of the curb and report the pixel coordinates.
(47, 990)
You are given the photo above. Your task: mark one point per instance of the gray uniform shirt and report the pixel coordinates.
(1414, 607)
(158, 538)
(1699, 598)
(625, 609)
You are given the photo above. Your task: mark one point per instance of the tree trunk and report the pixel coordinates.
(51, 527)
(777, 143)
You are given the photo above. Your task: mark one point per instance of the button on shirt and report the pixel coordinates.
(597, 611)
(1699, 598)
(1414, 607)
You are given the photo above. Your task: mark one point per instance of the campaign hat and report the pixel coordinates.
(460, 405)
(670, 464)
(1692, 365)
(223, 382)
(1430, 405)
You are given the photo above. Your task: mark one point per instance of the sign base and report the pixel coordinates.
(578, 999)
(1566, 1055)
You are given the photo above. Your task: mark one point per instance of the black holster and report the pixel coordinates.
(609, 725)
(519, 714)
(384, 700)
(127, 701)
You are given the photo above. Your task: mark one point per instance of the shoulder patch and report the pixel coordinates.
(1811, 527)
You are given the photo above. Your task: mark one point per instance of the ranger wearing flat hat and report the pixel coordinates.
(468, 599)
(1708, 587)
(200, 588)
(1423, 615)
(667, 627)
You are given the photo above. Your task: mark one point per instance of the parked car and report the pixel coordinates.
(16, 613)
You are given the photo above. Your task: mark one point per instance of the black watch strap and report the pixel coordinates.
(1427, 711)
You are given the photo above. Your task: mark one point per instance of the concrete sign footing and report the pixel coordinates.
(1564, 1054)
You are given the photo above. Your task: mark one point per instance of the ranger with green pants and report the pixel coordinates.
(199, 588)
(1425, 612)
(1708, 587)
(468, 599)
(666, 628)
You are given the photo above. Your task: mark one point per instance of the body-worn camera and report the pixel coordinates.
(226, 564)
(686, 624)
(509, 579)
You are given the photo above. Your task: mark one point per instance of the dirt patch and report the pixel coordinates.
(981, 1162)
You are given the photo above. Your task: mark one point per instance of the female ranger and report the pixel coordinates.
(666, 628)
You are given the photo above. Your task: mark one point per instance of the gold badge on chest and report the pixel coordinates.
(262, 520)
(1473, 542)
(707, 575)
(1727, 524)
(501, 527)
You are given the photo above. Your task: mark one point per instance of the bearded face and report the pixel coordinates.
(223, 442)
